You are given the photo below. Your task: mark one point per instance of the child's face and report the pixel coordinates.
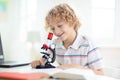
(62, 30)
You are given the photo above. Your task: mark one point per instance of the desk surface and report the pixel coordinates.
(27, 69)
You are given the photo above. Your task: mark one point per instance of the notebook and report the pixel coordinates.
(7, 64)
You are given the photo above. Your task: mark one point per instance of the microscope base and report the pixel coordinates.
(46, 66)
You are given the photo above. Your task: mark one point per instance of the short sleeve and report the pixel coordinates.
(94, 57)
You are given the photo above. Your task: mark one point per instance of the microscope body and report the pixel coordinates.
(49, 53)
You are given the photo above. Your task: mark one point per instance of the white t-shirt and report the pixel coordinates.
(82, 52)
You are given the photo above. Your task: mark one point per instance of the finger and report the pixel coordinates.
(34, 64)
(42, 61)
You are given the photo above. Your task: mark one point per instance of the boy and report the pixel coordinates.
(72, 49)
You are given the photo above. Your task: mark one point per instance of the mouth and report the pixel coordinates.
(60, 35)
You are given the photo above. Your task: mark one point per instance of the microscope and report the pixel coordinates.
(48, 51)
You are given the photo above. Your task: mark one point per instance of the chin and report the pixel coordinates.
(63, 39)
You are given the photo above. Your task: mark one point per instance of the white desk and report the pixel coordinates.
(27, 69)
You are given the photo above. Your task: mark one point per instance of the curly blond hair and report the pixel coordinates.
(62, 12)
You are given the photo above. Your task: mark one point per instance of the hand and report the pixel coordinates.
(66, 66)
(37, 62)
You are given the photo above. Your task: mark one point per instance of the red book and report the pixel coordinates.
(22, 76)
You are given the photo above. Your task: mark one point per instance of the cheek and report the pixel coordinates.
(68, 30)
(65, 29)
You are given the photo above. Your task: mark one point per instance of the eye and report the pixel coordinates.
(52, 29)
(59, 26)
